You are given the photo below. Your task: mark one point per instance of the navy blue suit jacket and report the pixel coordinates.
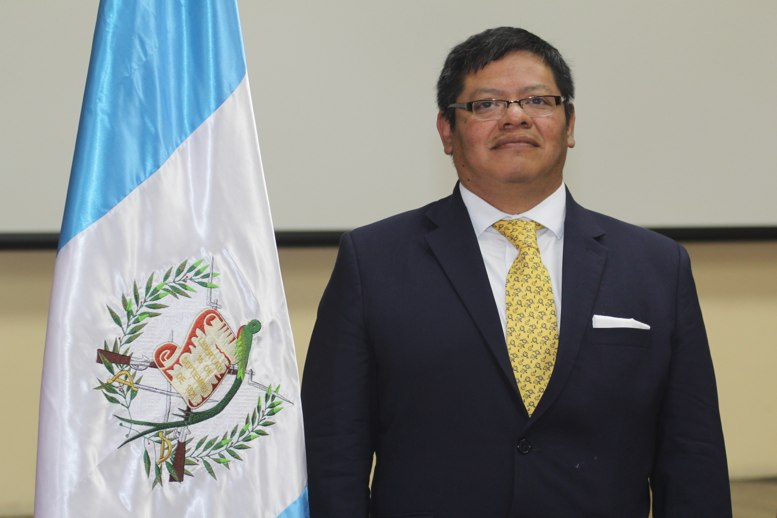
(408, 360)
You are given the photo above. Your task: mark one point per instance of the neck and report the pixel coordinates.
(514, 198)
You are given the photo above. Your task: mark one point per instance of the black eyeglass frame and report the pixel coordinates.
(558, 99)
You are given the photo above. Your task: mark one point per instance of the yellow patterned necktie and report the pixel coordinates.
(532, 330)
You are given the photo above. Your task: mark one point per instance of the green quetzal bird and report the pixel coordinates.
(245, 336)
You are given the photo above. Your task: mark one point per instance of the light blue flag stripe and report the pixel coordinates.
(158, 69)
(298, 508)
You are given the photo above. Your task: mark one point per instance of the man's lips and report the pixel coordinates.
(515, 141)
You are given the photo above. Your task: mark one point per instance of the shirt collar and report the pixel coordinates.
(550, 212)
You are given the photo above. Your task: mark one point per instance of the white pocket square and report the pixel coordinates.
(602, 321)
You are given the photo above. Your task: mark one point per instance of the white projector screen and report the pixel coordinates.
(676, 104)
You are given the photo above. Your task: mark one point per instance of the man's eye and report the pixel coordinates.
(538, 101)
(484, 106)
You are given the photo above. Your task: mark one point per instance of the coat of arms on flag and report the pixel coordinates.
(186, 378)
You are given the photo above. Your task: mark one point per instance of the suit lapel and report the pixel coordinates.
(582, 267)
(454, 244)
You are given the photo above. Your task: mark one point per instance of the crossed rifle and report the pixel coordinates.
(144, 363)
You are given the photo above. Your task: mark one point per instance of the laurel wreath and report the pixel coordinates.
(220, 451)
(137, 310)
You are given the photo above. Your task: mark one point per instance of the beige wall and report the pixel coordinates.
(737, 283)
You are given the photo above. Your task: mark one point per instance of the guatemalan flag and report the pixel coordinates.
(170, 383)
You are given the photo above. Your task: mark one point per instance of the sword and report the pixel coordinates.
(164, 392)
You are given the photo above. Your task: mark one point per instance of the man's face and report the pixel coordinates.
(515, 153)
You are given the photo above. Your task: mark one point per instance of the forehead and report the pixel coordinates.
(519, 72)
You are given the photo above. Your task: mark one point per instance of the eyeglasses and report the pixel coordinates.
(491, 109)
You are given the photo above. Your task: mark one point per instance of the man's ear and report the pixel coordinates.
(446, 133)
(571, 127)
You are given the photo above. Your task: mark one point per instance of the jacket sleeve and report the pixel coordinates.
(690, 475)
(338, 395)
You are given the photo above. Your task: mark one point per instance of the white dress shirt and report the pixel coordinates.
(499, 254)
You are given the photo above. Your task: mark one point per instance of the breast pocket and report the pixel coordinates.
(625, 336)
(617, 367)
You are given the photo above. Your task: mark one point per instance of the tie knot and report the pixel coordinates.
(520, 232)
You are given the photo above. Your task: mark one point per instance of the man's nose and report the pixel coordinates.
(515, 114)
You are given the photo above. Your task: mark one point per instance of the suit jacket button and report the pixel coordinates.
(524, 446)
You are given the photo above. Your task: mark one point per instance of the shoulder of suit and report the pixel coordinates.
(415, 219)
(620, 234)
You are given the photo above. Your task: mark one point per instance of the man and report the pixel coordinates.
(490, 380)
